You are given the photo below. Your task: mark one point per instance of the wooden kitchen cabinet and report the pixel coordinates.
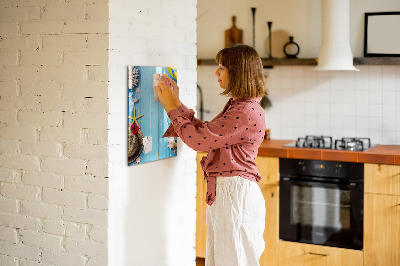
(271, 232)
(201, 205)
(382, 179)
(382, 215)
(300, 254)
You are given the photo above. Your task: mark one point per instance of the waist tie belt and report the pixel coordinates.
(210, 196)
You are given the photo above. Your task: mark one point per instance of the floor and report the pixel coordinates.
(200, 262)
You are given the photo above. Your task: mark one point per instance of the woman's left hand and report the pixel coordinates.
(165, 95)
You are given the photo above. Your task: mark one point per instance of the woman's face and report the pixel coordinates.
(223, 76)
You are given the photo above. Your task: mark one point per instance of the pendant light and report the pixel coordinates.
(335, 52)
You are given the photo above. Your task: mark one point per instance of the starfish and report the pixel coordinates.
(135, 118)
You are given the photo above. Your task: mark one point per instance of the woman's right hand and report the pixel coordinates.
(175, 91)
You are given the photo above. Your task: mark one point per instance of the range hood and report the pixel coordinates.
(335, 52)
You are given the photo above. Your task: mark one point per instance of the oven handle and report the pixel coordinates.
(310, 182)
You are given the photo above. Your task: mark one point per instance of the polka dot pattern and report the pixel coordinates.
(232, 139)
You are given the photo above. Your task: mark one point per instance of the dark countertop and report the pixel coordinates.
(380, 154)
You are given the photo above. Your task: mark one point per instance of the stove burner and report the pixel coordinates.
(353, 144)
(324, 142)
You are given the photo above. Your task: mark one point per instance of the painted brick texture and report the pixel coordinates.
(53, 135)
(152, 206)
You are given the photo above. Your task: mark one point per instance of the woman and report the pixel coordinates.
(236, 211)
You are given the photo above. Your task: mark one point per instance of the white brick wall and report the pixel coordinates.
(53, 135)
(152, 206)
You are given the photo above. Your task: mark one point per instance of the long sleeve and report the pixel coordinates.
(232, 127)
(185, 112)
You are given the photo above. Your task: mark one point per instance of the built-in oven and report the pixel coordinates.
(321, 202)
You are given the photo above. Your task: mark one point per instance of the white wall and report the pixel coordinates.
(152, 206)
(337, 103)
(301, 19)
(53, 133)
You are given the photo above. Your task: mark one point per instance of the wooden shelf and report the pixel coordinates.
(269, 63)
(377, 61)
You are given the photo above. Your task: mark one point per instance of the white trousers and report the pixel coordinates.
(235, 223)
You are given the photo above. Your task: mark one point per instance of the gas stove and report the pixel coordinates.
(326, 142)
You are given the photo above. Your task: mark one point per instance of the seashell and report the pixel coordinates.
(135, 145)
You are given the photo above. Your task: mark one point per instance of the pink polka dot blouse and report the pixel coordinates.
(232, 139)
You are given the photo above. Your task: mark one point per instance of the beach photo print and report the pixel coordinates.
(147, 120)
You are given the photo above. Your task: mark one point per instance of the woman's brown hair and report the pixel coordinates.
(245, 69)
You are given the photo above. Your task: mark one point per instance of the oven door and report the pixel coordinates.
(321, 212)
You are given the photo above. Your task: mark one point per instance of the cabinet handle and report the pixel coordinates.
(318, 254)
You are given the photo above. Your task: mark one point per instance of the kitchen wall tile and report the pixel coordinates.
(375, 110)
(336, 95)
(336, 121)
(310, 120)
(362, 123)
(299, 107)
(310, 95)
(336, 81)
(389, 110)
(298, 83)
(376, 136)
(388, 97)
(368, 102)
(325, 131)
(388, 72)
(362, 133)
(298, 120)
(349, 121)
(336, 133)
(323, 109)
(389, 124)
(349, 132)
(375, 97)
(388, 85)
(310, 81)
(298, 72)
(362, 97)
(348, 109)
(322, 82)
(397, 73)
(349, 80)
(375, 123)
(286, 71)
(375, 84)
(335, 108)
(349, 96)
(323, 121)
(362, 78)
(323, 95)
(362, 110)
(285, 82)
(286, 120)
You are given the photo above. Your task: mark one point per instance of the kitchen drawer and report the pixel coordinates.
(382, 179)
(299, 254)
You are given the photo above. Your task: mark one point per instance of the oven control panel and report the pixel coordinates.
(317, 168)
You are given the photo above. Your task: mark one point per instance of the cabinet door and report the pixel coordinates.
(381, 230)
(268, 167)
(382, 179)
(201, 205)
(271, 232)
(299, 254)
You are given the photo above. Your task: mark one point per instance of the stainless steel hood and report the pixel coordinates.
(335, 52)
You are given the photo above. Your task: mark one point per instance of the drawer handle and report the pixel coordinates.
(318, 254)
